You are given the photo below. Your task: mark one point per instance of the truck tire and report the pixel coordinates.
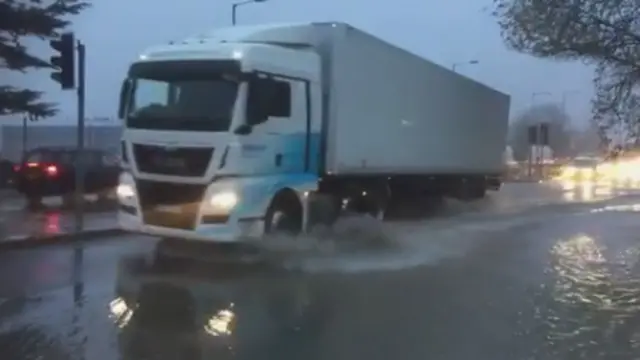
(324, 210)
(284, 215)
(372, 201)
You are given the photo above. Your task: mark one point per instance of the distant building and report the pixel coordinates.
(97, 136)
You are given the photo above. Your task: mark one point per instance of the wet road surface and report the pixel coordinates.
(17, 220)
(536, 272)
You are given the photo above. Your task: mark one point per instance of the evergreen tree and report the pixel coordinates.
(21, 19)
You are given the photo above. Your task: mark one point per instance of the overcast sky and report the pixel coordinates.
(446, 32)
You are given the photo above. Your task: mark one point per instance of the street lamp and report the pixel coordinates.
(470, 62)
(534, 95)
(235, 6)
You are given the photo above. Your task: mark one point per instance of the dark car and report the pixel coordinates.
(51, 171)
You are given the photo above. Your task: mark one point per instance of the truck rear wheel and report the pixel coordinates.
(284, 215)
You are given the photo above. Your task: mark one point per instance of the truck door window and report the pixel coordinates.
(282, 99)
(268, 98)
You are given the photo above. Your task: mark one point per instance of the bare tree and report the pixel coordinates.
(588, 140)
(559, 130)
(603, 33)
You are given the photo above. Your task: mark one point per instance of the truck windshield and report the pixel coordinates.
(177, 104)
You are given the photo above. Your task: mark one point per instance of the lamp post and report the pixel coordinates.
(470, 62)
(234, 8)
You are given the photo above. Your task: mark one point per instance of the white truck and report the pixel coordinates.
(245, 131)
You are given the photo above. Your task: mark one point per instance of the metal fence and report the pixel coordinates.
(15, 141)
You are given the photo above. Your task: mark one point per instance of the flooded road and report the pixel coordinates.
(539, 271)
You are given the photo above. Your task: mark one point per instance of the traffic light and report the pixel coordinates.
(544, 134)
(533, 135)
(64, 62)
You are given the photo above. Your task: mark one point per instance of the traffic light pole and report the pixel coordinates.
(80, 161)
(78, 253)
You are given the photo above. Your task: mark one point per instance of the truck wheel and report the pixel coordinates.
(373, 203)
(284, 214)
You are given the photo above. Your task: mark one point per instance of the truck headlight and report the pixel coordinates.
(224, 200)
(125, 192)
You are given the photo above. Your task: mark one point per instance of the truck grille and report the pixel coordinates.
(156, 198)
(180, 161)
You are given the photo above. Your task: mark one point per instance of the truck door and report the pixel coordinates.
(277, 109)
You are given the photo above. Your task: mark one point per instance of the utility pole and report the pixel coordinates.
(81, 159)
(81, 163)
(64, 65)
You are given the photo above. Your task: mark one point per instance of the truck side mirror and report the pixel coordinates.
(124, 94)
(244, 129)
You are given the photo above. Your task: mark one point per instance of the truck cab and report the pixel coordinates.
(221, 139)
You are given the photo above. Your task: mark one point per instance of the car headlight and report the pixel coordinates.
(224, 200)
(125, 191)
(587, 172)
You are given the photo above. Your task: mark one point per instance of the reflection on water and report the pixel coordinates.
(221, 323)
(121, 313)
(210, 313)
(586, 191)
(619, 208)
(52, 223)
(595, 308)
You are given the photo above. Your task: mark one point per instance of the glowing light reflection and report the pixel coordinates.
(121, 313)
(221, 323)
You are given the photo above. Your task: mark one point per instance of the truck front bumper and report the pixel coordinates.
(223, 214)
(233, 230)
(231, 210)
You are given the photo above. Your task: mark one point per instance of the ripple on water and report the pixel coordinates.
(594, 311)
